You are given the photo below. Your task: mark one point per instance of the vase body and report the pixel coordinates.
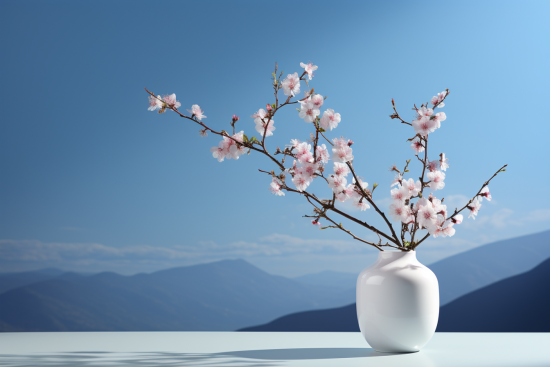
(397, 303)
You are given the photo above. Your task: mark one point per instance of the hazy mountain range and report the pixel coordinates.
(224, 295)
(516, 304)
(232, 294)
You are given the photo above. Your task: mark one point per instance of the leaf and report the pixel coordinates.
(322, 130)
(253, 139)
(298, 109)
(274, 75)
(245, 138)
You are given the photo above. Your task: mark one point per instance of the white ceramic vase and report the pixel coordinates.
(397, 303)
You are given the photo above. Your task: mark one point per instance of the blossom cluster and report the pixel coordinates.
(429, 213)
(229, 147)
(426, 122)
(158, 103)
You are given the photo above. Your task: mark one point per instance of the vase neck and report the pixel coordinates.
(390, 256)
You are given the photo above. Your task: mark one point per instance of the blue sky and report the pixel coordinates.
(92, 181)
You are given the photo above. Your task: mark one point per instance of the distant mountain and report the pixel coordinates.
(15, 280)
(516, 304)
(334, 319)
(470, 270)
(330, 278)
(224, 295)
(462, 273)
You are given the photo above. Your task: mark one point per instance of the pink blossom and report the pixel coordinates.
(330, 119)
(437, 100)
(317, 100)
(291, 85)
(448, 229)
(485, 193)
(203, 133)
(342, 142)
(261, 127)
(401, 193)
(301, 182)
(474, 208)
(196, 110)
(342, 153)
(457, 219)
(427, 217)
(437, 231)
(295, 142)
(303, 152)
(316, 223)
(440, 209)
(345, 194)
(424, 112)
(421, 202)
(170, 101)
(341, 169)
(444, 162)
(414, 187)
(399, 211)
(275, 187)
(259, 117)
(155, 103)
(309, 68)
(424, 126)
(219, 152)
(309, 112)
(336, 183)
(440, 116)
(260, 114)
(362, 204)
(322, 153)
(268, 107)
(436, 180)
(235, 151)
(307, 170)
(349, 193)
(417, 145)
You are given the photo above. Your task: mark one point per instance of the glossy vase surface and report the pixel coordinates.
(397, 303)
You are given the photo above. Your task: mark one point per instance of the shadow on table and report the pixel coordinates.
(245, 358)
(308, 353)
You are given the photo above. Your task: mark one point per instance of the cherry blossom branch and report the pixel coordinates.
(502, 169)
(223, 133)
(338, 211)
(339, 226)
(396, 115)
(369, 199)
(426, 213)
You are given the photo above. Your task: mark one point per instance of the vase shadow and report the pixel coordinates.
(307, 353)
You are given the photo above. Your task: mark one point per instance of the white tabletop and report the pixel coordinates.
(265, 349)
